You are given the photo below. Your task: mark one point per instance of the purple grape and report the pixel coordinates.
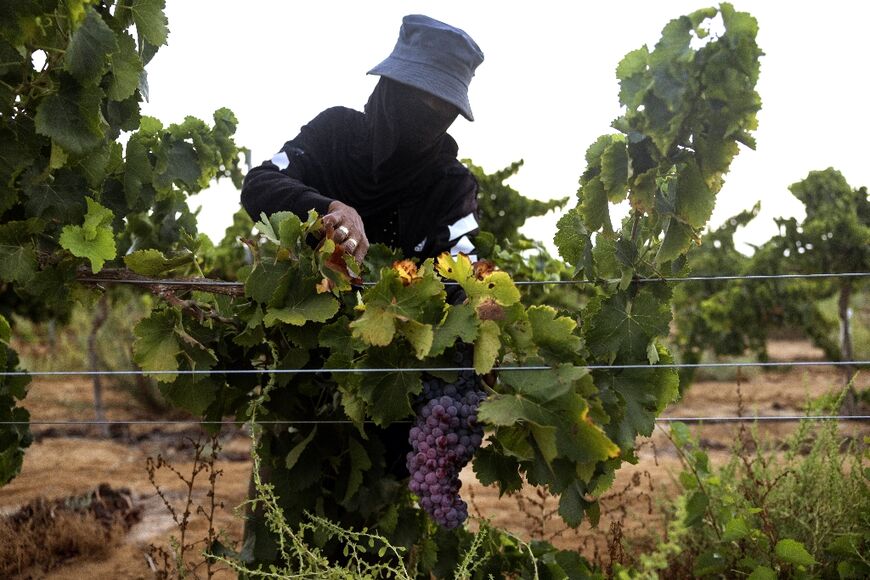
(443, 440)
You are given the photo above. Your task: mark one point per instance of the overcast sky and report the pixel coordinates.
(544, 93)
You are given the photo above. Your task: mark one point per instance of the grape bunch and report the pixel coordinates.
(443, 439)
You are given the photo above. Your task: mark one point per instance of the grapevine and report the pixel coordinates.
(74, 200)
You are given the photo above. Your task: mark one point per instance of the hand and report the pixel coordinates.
(345, 226)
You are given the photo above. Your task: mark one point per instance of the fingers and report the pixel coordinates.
(345, 226)
(357, 248)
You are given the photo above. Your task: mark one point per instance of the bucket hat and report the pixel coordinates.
(433, 57)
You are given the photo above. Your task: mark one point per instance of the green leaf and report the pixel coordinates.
(491, 467)
(182, 167)
(678, 238)
(486, 347)
(387, 394)
(572, 239)
(359, 463)
(71, 117)
(735, 529)
(156, 346)
(553, 334)
(763, 573)
(633, 80)
(296, 452)
(266, 282)
(709, 563)
(137, 171)
(578, 439)
(17, 252)
(459, 323)
(594, 206)
(419, 335)
(154, 263)
(301, 308)
(544, 386)
(126, 68)
(793, 552)
(5, 330)
(392, 304)
(615, 170)
(375, 327)
(91, 43)
(150, 20)
(193, 394)
(572, 505)
(546, 437)
(60, 198)
(624, 328)
(696, 508)
(695, 201)
(94, 239)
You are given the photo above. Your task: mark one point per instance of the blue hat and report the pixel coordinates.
(433, 57)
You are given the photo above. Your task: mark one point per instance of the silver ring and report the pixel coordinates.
(344, 231)
(351, 244)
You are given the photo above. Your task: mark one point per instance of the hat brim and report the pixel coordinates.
(427, 78)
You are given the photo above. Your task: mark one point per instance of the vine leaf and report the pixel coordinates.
(553, 334)
(154, 263)
(150, 20)
(459, 323)
(156, 346)
(401, 302)
(301, 308)
(545, 386)
(387, 394)
(578, 438)
(126, 68)
(296, 452)
(644, 393)
(486, 283)
(572, 240)
(623, 328)
(359, 463)
(71, 117)
(793, 552)
(17, 253)
(492, 467)
(486, 347)
(89, 47)
(94, 239)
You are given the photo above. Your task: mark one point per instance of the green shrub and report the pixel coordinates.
(799, 509)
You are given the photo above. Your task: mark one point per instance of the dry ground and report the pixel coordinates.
(67, 461)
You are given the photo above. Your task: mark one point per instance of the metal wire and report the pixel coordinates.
(195, 283)
(715, 419)
(137, 372)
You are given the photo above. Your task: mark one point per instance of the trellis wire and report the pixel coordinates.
(213, 283)
(714, 419)
(136, 372)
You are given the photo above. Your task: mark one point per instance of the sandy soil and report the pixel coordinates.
(65, 461)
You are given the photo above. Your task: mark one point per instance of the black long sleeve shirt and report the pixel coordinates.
(327, 161)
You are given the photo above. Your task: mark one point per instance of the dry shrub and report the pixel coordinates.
(46, 533)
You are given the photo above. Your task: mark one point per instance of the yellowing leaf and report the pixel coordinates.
(486, 347)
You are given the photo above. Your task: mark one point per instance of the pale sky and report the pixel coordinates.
(544, 93)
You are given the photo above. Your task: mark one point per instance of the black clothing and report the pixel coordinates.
(408, 193)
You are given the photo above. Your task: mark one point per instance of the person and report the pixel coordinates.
(389, 174)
